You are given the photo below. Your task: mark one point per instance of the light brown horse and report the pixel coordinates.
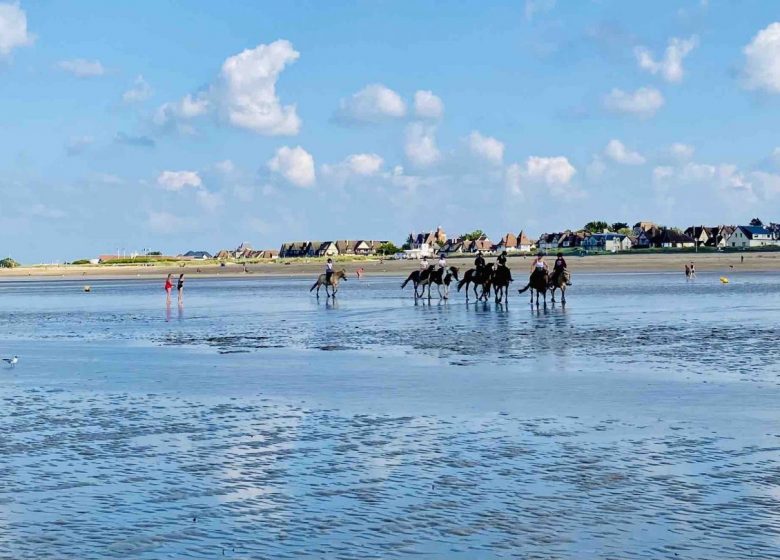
(559, 282)
(539, 282)
(334, 282)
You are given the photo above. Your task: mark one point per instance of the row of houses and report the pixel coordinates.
(363, 247)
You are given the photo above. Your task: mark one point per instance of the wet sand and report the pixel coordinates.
(722, 263)
(640, 421)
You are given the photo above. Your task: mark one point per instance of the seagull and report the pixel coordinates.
(11, 361)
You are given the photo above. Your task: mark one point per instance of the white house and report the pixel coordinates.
(750, 236)
(610, 242)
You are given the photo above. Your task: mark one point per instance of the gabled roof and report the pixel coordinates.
(750, 231)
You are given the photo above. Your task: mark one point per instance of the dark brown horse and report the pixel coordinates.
(472, 277)
(500, 279)
(416, 277)
(538, 283)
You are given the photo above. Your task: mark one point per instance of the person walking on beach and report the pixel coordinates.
(180, 288)
(328, 271)
(687, 272)
(693, 270)
(168, 288)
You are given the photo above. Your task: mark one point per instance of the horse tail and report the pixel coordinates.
(314, 285)
(461, 283)
(524, 289)
(406, 281)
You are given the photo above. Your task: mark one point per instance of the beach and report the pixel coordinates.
(723, 263)
(638, 421)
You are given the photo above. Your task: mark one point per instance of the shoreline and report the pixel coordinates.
(724, 263)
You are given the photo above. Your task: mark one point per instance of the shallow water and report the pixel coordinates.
(640, 421)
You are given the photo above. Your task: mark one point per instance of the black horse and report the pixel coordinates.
(439, 278)
(539, 283)
(416, 277)
(477, 278)
(500, 279)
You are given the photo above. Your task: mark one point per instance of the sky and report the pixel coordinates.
(195, 125)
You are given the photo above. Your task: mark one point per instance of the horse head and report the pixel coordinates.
(341, 275)
(454, 272)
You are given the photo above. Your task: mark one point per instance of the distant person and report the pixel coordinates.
(424, 263)
(180, 288)
(687, 271)
(693, 270)
(360, 272)
(328, 271)
(168, 288)
(741, 258)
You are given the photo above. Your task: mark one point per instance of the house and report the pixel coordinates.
(644, 239)
(294, 249)
(549, 241)
(224, 255)
(483, 243)
(724, 232)
(508, 243)
(639, 227)
(108, 258)
(201, 255)
(669, 238)
(361, 247)
(572, 240)
(322, 249)
(751, 236)
(703, 235)
(609, 242)
(524, 244)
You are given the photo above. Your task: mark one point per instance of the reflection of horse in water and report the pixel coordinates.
(539, 282)
(334, 282)
(559, 282)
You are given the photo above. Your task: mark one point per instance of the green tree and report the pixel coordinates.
(756, 222)
(474, 235)
(617, 226)
(8, 263)
(596, 226)
(388, 249)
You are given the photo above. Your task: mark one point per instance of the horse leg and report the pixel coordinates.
(552, 294)
(438, 289)
(563, 295)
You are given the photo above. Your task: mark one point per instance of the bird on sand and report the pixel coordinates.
(11, 361)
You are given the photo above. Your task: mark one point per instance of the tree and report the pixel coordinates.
(596, 226)
(8, 263)
(756, 222)
(388, 249)
(474, 235)
(617, 226)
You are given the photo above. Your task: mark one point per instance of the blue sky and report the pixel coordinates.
(199, 125)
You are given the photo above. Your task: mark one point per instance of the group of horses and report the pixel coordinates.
(491, 277)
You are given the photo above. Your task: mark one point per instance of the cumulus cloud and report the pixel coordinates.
(670, 67)
(82, 68)
(681, 152)
(662, 172)
(244, 94)
(13, 28)
(619, 153)
(296, 165)
(486, 147)
(355, 165)
(513, 178)
(420, 147)
(427, 105)
(725, 176)
(140, 91)
(247, 90)
(643, 102)
(372, 104)
(762, 60)
(178, 180)
(553, 171)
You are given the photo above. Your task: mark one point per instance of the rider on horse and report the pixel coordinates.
(558, 268)
(539, 265)
(502, 262)
(328, 271)
(479, 264)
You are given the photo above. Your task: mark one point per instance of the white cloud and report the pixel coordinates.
(762, 60)
(372, 104)
(670, 66)
(247, 90)
(186, 108)
(209, 201)
(662, 172)
(596, 168)
(82, 68)
(13, 28)
(226, 167)
(427, 105)
(355, 165)
(533, 7)
(486, 147)
(296, 165)
(554, 171)
(619, 153)
(165, 222)
(140, 91)
(643, 102)
(513, 179)
(726, 177)
(768, 183)
(178, 180)
(681, 152)
(420, 147)
(245, 93)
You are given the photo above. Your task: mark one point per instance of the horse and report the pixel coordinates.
(334, 282)
(438, 277)
(500, 279)
(415, 277)
(538, 283)
(560, 282)
(471, 277)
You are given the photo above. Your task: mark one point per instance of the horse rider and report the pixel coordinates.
(558, 267)
(479, 264)
(539, 264)
(328, 271)
(424, 264)
(502, 262)
(442, 261)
